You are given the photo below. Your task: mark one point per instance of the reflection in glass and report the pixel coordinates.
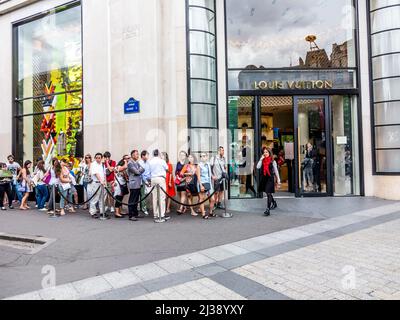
(387, 113)
(49, 64)
(312, 146)
(210, 4)
(385, 19)
(388, 161)
(388, 137)
(277, 123)
(204, 91)
(272, 34)
(345, 146)
(203, 115)
(54, 134)
(241, 147)
(386, 66)
(202, 43)
(201, 19)
(385, 42)
(51, 103)
(49, 50)
(387, 89)
(376, 4)
(203, 67)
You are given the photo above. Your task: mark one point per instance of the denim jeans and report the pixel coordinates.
(63, 194)
(41, 195)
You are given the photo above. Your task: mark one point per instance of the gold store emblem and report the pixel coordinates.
(293, 85)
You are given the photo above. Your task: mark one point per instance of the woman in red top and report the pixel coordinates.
(269, 172)
(169, 182)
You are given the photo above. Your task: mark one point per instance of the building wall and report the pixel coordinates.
(380, 186)
(141, 55)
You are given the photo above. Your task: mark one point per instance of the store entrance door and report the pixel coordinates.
(312, 147)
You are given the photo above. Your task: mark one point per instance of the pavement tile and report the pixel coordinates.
(239, 261)
(174, 265)
(210, 270)
(92, 286)
(122, 278)
(148, 271)
(197, 259)
(217, 253)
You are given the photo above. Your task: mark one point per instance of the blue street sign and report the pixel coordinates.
(132, 106)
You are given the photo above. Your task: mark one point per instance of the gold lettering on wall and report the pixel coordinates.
(293, 85)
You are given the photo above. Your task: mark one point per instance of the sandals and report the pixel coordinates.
(206, 217)
(212, 215)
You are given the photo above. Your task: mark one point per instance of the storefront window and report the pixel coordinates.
(346, 170)
(385, 47)
(202, 73)
(49, 85)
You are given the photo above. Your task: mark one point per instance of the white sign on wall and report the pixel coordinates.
(341, 140)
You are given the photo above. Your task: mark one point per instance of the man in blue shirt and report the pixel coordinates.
(146, 180)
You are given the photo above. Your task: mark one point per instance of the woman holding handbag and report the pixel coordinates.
(121, 187)
(180, 181)
(65, 186)
(25, 184)
(52, 181)
(191, 172)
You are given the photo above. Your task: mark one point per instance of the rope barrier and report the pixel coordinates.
(130, 204)
(188, 205)
(78, 204)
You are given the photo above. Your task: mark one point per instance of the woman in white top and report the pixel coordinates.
(53, 183)
(64, 186)
(41, 189)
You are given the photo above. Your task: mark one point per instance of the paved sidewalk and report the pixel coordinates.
(351, 256)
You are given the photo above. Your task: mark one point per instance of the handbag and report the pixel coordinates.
(47, 179)
(180, 181)
(21, 187)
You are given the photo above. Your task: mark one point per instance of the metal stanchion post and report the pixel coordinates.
(54, 215)
(159, 219)
(102, 209)
(226, 214)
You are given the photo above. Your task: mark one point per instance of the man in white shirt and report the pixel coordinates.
(158, 173)
(98, 174)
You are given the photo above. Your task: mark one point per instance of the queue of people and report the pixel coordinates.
(106, 183)
(197, 185)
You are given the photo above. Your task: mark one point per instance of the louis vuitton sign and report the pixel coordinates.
(297, 79)
(293, 85)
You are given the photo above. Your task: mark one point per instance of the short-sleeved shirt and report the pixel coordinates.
(219, 166)
(14, 167)
(158, 168)
(98, 169)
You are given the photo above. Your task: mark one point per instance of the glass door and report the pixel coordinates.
(242, 128)
(313, 168)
